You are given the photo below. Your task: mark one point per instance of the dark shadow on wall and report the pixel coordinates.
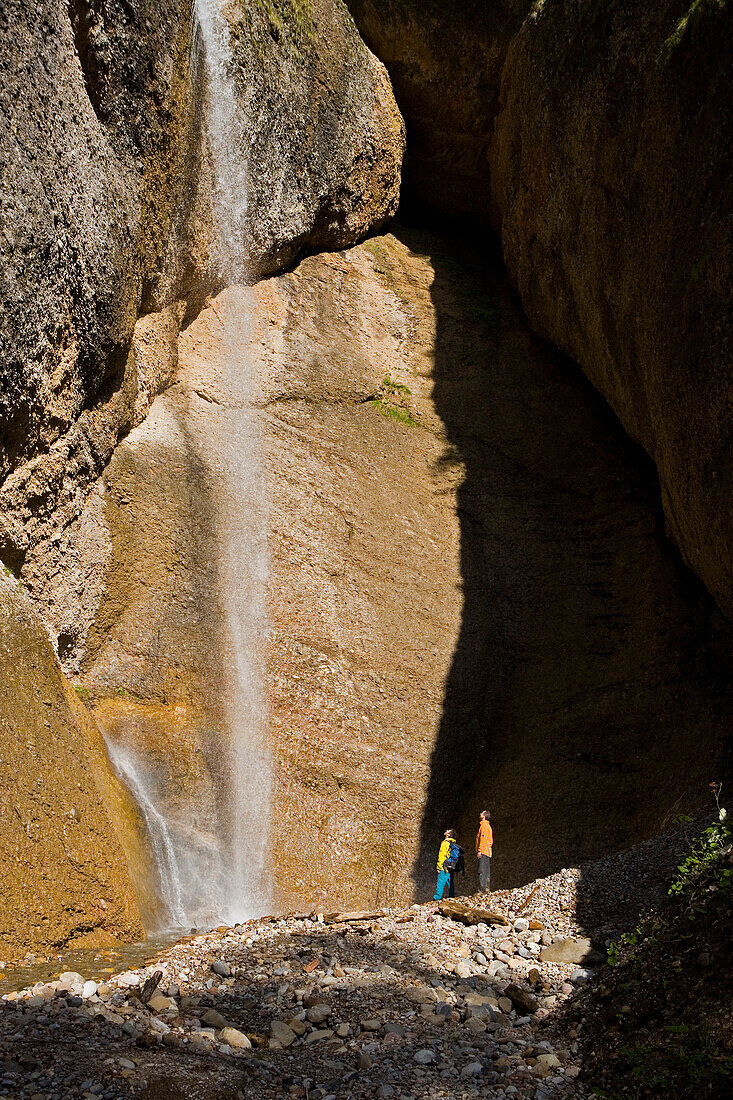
(588, 695)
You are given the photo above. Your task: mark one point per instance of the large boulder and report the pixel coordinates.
(63, 867)
(325, 138)
(597, 139)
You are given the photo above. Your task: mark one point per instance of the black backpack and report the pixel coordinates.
(455, 861)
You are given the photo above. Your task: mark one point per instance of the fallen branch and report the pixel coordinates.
(470, 914)
(348, 918)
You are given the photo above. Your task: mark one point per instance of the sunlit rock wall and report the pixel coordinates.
(471, 598)
(63, 868)
(106, 208)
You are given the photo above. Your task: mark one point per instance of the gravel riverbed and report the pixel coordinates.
(393, 1004)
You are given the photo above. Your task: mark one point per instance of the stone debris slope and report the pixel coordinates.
(392, 1003)
(407, 1003)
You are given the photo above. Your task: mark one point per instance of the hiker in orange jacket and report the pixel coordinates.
(484, 845)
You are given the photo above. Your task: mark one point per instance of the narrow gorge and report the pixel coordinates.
(364, 463)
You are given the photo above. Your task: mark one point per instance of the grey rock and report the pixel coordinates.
(282, 1033)
(318, 1013)
(214, 1019)
(222, 968)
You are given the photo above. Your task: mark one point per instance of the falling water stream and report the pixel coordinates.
(210, 862)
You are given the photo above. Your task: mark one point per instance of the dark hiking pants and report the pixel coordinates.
(484, 873)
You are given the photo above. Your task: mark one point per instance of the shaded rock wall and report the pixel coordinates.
(600, 136)
(63, 868)
(471, 597)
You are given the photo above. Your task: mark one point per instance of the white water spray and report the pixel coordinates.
(211, 858)
(225, 133)
(128, 768)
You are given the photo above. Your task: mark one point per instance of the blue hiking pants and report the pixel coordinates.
(445, 878)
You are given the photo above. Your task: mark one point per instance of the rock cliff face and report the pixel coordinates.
(107, 208)
(106, 242)
(63, 868)
(596, 137)
(470, 596)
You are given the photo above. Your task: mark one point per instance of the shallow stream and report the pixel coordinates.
(98, 964)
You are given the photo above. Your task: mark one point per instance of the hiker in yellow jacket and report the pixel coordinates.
(445, 876)
(484, 846)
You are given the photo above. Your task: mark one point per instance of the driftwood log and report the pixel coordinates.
(470, 914)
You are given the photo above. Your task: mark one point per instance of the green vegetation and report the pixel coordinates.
(664, 1041)
(287, 19)
(393, 401)
(383, 263)
(81, 691)
(688, 24)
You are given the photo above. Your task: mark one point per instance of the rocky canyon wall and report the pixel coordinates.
(596, 137)
(107, 207)
(470, 597)
(106, 242)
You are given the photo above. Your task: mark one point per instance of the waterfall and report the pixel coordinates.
(238, 457)
(210, 850)
(129, 769)
(225, 133)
